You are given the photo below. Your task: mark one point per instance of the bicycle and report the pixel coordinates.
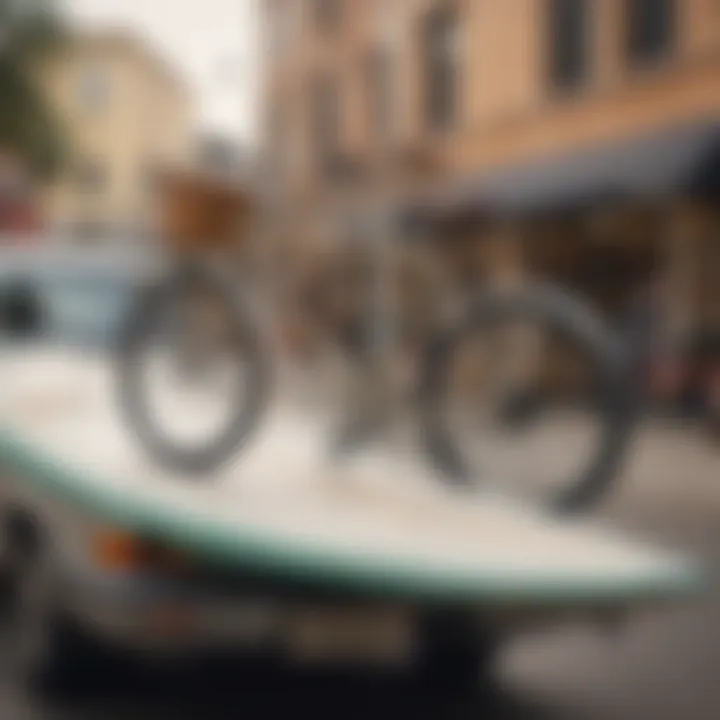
(491, 314)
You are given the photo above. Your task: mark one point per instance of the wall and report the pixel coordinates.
(144, 121)
(508, 113)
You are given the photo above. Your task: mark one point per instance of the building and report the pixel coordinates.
(225, 157)
(125, 114)
(18, 212)
(592, 128)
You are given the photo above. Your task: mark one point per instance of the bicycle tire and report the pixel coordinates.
(571, 318)
(138, 332)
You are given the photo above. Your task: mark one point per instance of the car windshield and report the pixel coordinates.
(70, 308)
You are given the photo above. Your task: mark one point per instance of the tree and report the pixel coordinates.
(29, 129)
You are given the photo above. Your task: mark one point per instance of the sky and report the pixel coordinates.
(214, 44)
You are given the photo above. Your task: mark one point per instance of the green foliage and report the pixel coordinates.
(28, 128)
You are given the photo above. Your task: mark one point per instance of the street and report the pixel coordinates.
(663, 664)
(478, 235)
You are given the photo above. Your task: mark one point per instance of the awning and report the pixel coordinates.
(684, 159)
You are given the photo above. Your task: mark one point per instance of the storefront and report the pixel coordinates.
(606, 221)
(633, 227)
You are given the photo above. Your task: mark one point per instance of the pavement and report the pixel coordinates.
(663, 663)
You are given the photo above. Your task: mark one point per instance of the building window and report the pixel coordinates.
(325, 121)
(570, 42)
(276, 143)
(93, 88)
(378, 91)
(650, 30)
(90, 177)
(327, 13)
(151, 176)
(282, 25)
(441, 39)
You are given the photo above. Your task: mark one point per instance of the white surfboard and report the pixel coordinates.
(380, 522)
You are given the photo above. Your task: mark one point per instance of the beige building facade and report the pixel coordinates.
(501, 65)
(126, 115)
(520, 104)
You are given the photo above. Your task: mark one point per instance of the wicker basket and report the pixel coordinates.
(197, 213)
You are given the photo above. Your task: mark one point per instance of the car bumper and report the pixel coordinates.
(172, 619)
(165, 617)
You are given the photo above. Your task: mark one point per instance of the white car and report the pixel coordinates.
(137, 561)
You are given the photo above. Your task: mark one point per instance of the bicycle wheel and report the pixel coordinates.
(193, 371)
(561, 413)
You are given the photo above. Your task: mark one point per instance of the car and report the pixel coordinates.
(697, 377)
(701, 387)
(94, 588)
(77, 296)
(85, 569)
